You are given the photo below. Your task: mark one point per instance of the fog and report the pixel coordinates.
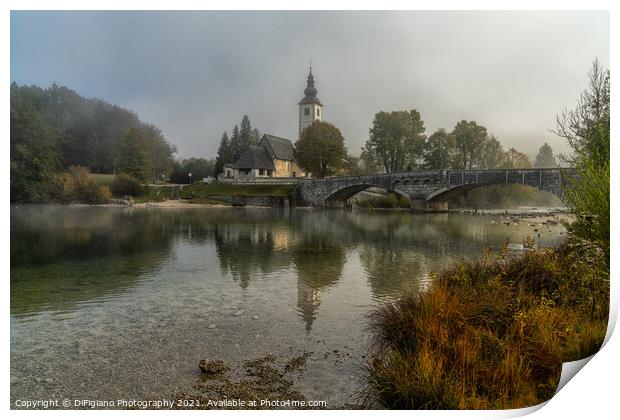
(195, 74)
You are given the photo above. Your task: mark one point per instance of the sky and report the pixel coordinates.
(195, 74)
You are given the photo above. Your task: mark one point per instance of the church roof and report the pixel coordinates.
(278, 147)
(255, 157)
(310, 92)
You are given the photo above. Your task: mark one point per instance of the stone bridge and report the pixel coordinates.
(429, 190)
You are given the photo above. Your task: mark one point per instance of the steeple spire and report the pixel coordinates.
(310, 108)
(310, 90)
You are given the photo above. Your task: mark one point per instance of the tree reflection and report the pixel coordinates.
(62, 256)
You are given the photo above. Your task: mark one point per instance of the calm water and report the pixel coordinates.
(111, 303)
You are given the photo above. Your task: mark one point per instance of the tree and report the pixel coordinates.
(321, 149)
(439, 150)
(160, 153)
(236, 145)
(517, 160)
(35, 151)
(469, 138)
(492, 154)
(396, 140)
(587, 130)
(248, 135)
(545, 157)
(134, 159)
(224, 154)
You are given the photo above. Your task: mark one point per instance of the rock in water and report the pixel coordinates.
(212, 366)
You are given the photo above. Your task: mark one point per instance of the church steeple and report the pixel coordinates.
(310, 108)
(310, 90)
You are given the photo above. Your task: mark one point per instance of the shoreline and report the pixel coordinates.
(525, 214)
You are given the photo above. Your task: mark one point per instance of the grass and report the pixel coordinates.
(490, 333)
(154, 194)
(103, 179)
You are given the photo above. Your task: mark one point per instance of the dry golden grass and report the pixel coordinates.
(491, 333)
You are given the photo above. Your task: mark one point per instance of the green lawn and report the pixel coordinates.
(104, 179)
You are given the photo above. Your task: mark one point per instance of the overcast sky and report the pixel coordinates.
(195, 74)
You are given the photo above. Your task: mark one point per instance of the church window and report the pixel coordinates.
(318, 112)
(261, 172)
(306, 111)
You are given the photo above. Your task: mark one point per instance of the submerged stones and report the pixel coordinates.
(256, 380)
(213, 367)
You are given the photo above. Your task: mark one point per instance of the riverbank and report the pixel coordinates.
(178, 204)
(490, 333)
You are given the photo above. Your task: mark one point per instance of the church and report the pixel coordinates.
(274, 156)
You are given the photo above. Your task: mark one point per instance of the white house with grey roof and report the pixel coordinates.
(274, 157)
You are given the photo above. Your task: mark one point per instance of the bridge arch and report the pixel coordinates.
(449, 192)
(343, 193)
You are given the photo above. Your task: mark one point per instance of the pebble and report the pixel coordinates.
(239, 312)
(211, 326)
(254, 316)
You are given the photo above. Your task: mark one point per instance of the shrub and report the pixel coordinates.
(491, 333)
(77, 185)
(125, 184)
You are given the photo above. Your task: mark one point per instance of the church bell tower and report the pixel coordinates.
(310, 108)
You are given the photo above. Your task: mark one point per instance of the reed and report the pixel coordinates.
(490, 333)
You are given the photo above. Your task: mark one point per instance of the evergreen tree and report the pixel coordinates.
(245, 132)
(236, 145)
(545, 157)
(255, 136)
(224, 154)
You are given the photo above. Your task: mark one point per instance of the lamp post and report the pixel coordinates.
(190, 177)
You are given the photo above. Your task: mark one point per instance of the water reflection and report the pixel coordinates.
(319, 262)
(65, 257)
(62, 258)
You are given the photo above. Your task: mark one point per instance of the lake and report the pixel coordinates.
(111, 302)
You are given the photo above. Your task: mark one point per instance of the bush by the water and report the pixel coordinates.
(492, 333)
(78, 186)
(125, 184)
